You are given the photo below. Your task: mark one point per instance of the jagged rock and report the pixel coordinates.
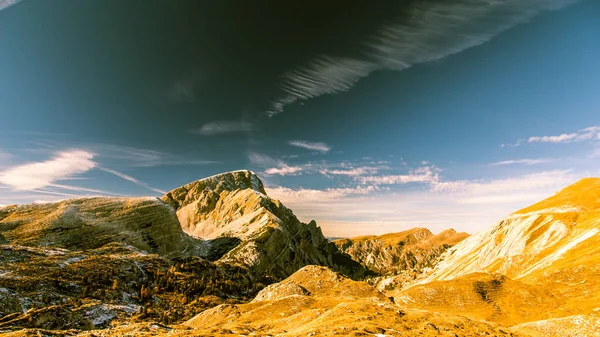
(272, 239)
(399, 258)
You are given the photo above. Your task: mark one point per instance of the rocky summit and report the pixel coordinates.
(270, 239)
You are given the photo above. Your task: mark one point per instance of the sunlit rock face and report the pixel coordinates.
(272, 239)
(558, 232)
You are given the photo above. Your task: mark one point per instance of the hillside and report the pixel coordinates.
(147, 224)
(315, 301)
(537, 267)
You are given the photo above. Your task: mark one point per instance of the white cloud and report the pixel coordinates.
(321, 147)
(274, 166)
(64, 165)
(284, 171)
(522, 161)
(465, 205)
(590, 133)
(425, 32)
(6, 3)
(132, 179)
(317, 196)
(538, 184)
(426, 174)
(352, 172)
(220, 127)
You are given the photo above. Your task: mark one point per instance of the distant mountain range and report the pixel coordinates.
(219, 257)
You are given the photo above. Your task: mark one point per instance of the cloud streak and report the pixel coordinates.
(63, 166)
(522, 162)
(321, 147)
(590, 133)
(273, 166)
(131, 179)
(425, 174)
(221, 127)
(427, 31)
(6, 3)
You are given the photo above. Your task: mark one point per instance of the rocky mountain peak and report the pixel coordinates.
(270, 238)
(216, 184)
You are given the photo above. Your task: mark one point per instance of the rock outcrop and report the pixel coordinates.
(271, 239)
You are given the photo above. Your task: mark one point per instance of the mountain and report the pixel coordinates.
(538, 268)
(90, 262)
(271, 240)
(406, 254)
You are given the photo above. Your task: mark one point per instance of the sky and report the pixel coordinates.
(368, 117)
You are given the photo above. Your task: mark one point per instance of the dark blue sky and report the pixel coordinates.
(367, 118)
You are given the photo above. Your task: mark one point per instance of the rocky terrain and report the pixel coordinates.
(218, 257)
(92, 262)
(399, 258)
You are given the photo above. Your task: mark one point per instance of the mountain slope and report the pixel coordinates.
(272, 239)
(559, 232)
(539, 267)
(87, 223)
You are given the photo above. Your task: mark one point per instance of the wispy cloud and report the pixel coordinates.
(273, 166)
(590, 133)
(425, 32)
(64, 165)
(466, 205)
(313, 195)
(352, 172)
(321, 147)
(426, 174)
(523, 162)
(6, 3)
(284, 170)
(131, 179)
(220, 127)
